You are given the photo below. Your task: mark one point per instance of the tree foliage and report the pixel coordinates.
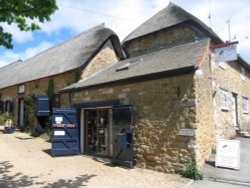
(21, 11)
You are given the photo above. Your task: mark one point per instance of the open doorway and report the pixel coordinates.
(97, 131)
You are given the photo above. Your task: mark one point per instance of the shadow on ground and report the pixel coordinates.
(8, 180)
(48, 152)
(21, 138)
(211, 163)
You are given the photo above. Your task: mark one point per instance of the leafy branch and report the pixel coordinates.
(18, 11)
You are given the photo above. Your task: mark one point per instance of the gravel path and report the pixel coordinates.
(25, 162)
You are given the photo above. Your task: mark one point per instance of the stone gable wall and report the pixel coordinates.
(161, 39)
(102, 60)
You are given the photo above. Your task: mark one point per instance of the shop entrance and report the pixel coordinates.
(97, 131)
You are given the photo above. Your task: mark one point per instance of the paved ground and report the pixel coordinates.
(228, 177)
(212, 184)
(25, 162)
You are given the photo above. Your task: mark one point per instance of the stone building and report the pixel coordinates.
(169, 87)
(61, 65)
(178, 113)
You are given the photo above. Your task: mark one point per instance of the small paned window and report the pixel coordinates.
(224, 99)
(245, 104)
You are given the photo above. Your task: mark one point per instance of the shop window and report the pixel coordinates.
(245, 104)
(224, 99)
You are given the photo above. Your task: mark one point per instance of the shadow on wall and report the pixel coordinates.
(9, 180)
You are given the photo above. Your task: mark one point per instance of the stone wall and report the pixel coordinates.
(37, 87)
(102, 60)
(228, 76)
(160, 39)
(205, 126)
(163, 106)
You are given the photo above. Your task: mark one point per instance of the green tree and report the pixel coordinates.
(50, 90)
(19, 11)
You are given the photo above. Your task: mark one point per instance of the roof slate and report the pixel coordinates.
(177, 57)
(67, 56)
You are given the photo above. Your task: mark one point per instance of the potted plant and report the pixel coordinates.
(9, 124)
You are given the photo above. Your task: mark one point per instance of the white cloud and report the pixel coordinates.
(30, 52)
(18, 36)
(121, 16)
(10, 57)
(3, 63)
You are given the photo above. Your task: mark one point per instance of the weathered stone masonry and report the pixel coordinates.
(37, 87)
(228, 76)
(162, 107)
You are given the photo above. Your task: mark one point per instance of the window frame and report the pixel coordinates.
(245, 105)
(224, 100)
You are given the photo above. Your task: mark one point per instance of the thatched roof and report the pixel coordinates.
(164, 62)
(170, 16)
(69, 55)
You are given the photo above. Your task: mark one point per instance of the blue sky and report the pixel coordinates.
(122, 16)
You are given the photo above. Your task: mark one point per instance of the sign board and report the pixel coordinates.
(186, 132)
(58, 120)
(227, 53)
(228, 154)
(21, 89)
(59, 133)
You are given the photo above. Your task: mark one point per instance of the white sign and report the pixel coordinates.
(21, 89)
(228, 154)
(186, 132)
(227, 53)
(59, 133)
(58, 120)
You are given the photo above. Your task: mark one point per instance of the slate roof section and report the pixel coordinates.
(69, 55)
(162, 61)
(168, 17)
